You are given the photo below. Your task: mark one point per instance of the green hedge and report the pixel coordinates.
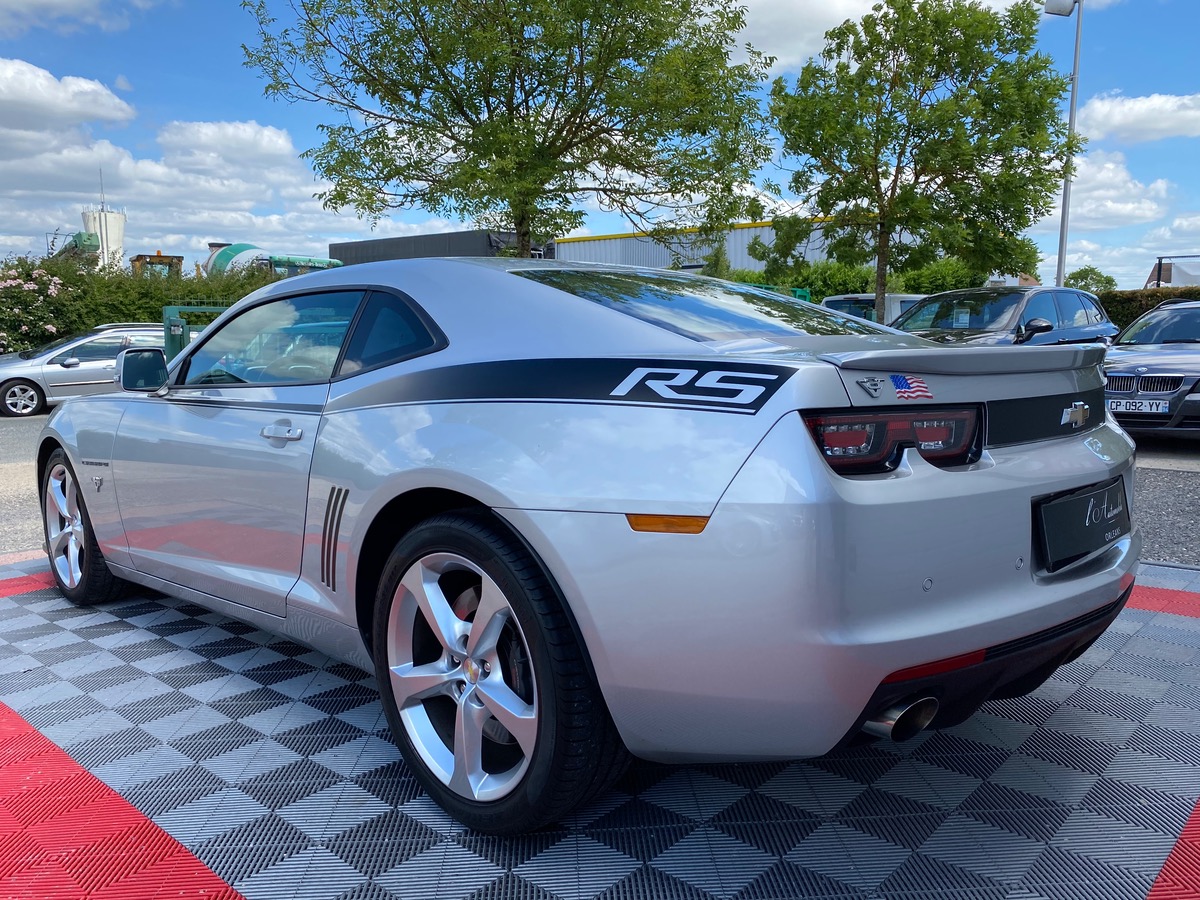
(41, 299)
(1125, 306)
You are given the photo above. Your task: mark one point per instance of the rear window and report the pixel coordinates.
(699, 308)
(864, 309)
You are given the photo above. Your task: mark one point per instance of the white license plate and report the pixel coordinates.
(1139, 406)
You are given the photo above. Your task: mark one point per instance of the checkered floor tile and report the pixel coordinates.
(272, 764)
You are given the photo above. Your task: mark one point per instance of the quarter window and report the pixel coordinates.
(387, 331)
(292, 340)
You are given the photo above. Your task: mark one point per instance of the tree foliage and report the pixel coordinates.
(44, 299)
(947, 274)
(1090, 279)
(514, 113)
(930, 126)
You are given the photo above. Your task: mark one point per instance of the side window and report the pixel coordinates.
(387, 331)
(145, 340)
(1095, 314)
(1040, 306)
(98, 349)
(1070, 309)
(288, 341)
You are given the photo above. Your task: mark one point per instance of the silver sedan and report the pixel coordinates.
(570, 513)
(68, 367)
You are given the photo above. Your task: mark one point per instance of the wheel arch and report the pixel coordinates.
(404, 512)
(45, 448)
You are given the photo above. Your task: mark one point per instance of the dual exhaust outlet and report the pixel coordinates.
(904, 720)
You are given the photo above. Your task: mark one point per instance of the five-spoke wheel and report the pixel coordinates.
(75, 560)
(483, 679)
(21, 398)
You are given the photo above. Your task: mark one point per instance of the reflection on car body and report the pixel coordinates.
(569, 512)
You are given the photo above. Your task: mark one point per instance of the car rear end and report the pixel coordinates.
(938, 527)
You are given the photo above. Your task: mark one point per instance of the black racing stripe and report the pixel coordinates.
(228, 403)
(721, 386)
(1040, 418)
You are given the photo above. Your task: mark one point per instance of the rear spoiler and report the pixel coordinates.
(972, 360)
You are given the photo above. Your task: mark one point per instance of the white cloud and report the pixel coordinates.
(227, 181)
(1136, 119)
(1105, 195)
(20, 16)
(123, 84)
(794, 30)
(33, 99)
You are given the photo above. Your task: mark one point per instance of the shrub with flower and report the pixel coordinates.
(30, 297)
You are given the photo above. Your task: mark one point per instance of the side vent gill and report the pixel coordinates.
(329, 535)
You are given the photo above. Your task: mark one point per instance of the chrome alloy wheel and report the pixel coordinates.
(461, 675)
(64, 525)
(22, 399)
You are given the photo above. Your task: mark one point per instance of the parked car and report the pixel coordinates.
(569, 512)
(1009, 315)
(69, 367)
(863, 305)
(1153, 371)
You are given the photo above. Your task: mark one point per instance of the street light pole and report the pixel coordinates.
(1065, 8)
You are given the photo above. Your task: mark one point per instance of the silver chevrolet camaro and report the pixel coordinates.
(569, 513)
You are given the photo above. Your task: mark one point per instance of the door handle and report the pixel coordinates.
(281, 433)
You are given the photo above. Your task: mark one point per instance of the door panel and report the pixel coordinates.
(212, 486)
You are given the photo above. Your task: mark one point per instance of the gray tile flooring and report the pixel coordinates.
(272, 764)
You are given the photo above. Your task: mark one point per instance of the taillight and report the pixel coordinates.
(863, 441)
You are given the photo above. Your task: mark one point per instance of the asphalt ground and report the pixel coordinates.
(1167, 501)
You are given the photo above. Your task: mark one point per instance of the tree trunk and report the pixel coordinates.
(523, 226)
(881, 270)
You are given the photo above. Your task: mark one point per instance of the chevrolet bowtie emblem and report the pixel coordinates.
(1077, 414)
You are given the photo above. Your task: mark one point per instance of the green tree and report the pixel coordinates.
(826, 278)
(1090, 279)
(930, 126)
(947, 274)
(514, 113)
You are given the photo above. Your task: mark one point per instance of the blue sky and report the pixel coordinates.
(154, 94)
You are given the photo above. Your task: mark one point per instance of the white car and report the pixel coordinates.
(570, 512)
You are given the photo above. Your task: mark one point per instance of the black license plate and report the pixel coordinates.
(1076, 524)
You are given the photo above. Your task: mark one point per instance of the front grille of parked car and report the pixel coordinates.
(1120, 384)
(1159, 384)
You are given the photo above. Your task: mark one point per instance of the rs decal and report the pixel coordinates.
(716, 386)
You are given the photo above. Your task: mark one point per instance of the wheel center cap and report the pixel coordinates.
(471, 669)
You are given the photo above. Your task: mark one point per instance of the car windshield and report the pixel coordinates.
(975, 310)
(702, 309)
(1164, 326)
(50, 347)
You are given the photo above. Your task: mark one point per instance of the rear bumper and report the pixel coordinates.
(1010, 669)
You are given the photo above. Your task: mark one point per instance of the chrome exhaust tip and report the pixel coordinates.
(904, 720)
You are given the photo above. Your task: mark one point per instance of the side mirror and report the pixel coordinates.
(1032, 327)
(70, 363)
(143, 369)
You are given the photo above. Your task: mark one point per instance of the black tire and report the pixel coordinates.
(78, 566)
(445, 676)
(20, 398)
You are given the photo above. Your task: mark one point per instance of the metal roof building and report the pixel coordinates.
(636, 249)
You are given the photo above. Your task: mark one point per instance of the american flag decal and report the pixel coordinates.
(910, 387)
